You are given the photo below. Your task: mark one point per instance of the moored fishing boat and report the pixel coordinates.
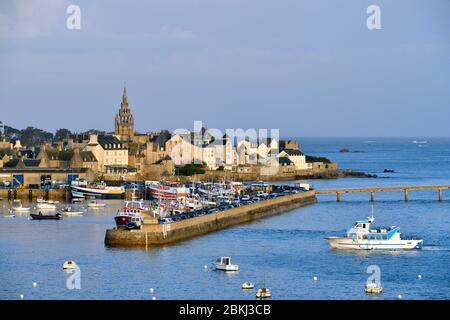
(131, 215)
(167, 191)
(99, 190)
(361, 237)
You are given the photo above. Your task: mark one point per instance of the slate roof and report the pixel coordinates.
(161, 138)
(110, 142)
(284, 161)
(292, 152)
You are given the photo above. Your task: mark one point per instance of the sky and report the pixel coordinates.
(307, 68)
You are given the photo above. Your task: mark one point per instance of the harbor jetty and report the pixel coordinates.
(154, 233)
(372, 190)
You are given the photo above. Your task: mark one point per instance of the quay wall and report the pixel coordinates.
(160, 234)
(22, 194)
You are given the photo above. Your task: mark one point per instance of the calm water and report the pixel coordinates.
(289, 247)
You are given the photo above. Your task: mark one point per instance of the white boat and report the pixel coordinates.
(99, 190)
(95, 204)
(361, 237)
(69, 264)
(263, 293)
(7, 215)
(45, 206)
(167, 191)
(248, 285)
(224, 264)
(17, 206)
(69, 211)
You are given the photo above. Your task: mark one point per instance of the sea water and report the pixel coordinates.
(283, 252)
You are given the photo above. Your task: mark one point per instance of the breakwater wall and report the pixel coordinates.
(160, 234)
(22, 194)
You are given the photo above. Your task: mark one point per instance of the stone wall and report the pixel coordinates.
(159, 234)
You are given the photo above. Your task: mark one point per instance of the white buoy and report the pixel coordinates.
(399, 296)
(154, 298)
(34, 284)
(151, 290)
(315, 278)
(419, 276)
(21, 296)
(205, 267)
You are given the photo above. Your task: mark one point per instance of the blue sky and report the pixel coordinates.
(309, 68)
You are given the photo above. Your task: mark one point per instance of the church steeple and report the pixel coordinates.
(124, 96)
(124, 122)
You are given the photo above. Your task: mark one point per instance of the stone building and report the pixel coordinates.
(110, 152)
(124, 124)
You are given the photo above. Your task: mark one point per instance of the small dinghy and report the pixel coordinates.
(373, 287)
(69, 264)
(95, 204)
(248, 285)
(40, 216)
(263, 293)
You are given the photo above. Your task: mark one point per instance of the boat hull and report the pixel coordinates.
(81, 192)
(231, 267)
(45, 217)
(122, 221)
(343, 243)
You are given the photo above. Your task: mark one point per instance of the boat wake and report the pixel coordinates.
(432, 247)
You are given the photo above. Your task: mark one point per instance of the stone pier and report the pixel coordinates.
(152, 233)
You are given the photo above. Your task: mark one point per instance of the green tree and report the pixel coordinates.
(61, 134)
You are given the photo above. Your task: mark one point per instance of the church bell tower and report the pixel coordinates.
(124, 124)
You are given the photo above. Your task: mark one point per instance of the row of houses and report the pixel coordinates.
(125, 153)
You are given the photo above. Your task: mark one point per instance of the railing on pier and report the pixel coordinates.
(372, 191)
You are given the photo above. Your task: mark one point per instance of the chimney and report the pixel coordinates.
(93, 138)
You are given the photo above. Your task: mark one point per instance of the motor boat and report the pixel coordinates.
(362, 237)
(45, 205)
(263, 293)
(8, 215)
(69, 211)
(248, 285)
(17, 206)
(69, 264)
(40, 216)
(224, 264)
(95, 204)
